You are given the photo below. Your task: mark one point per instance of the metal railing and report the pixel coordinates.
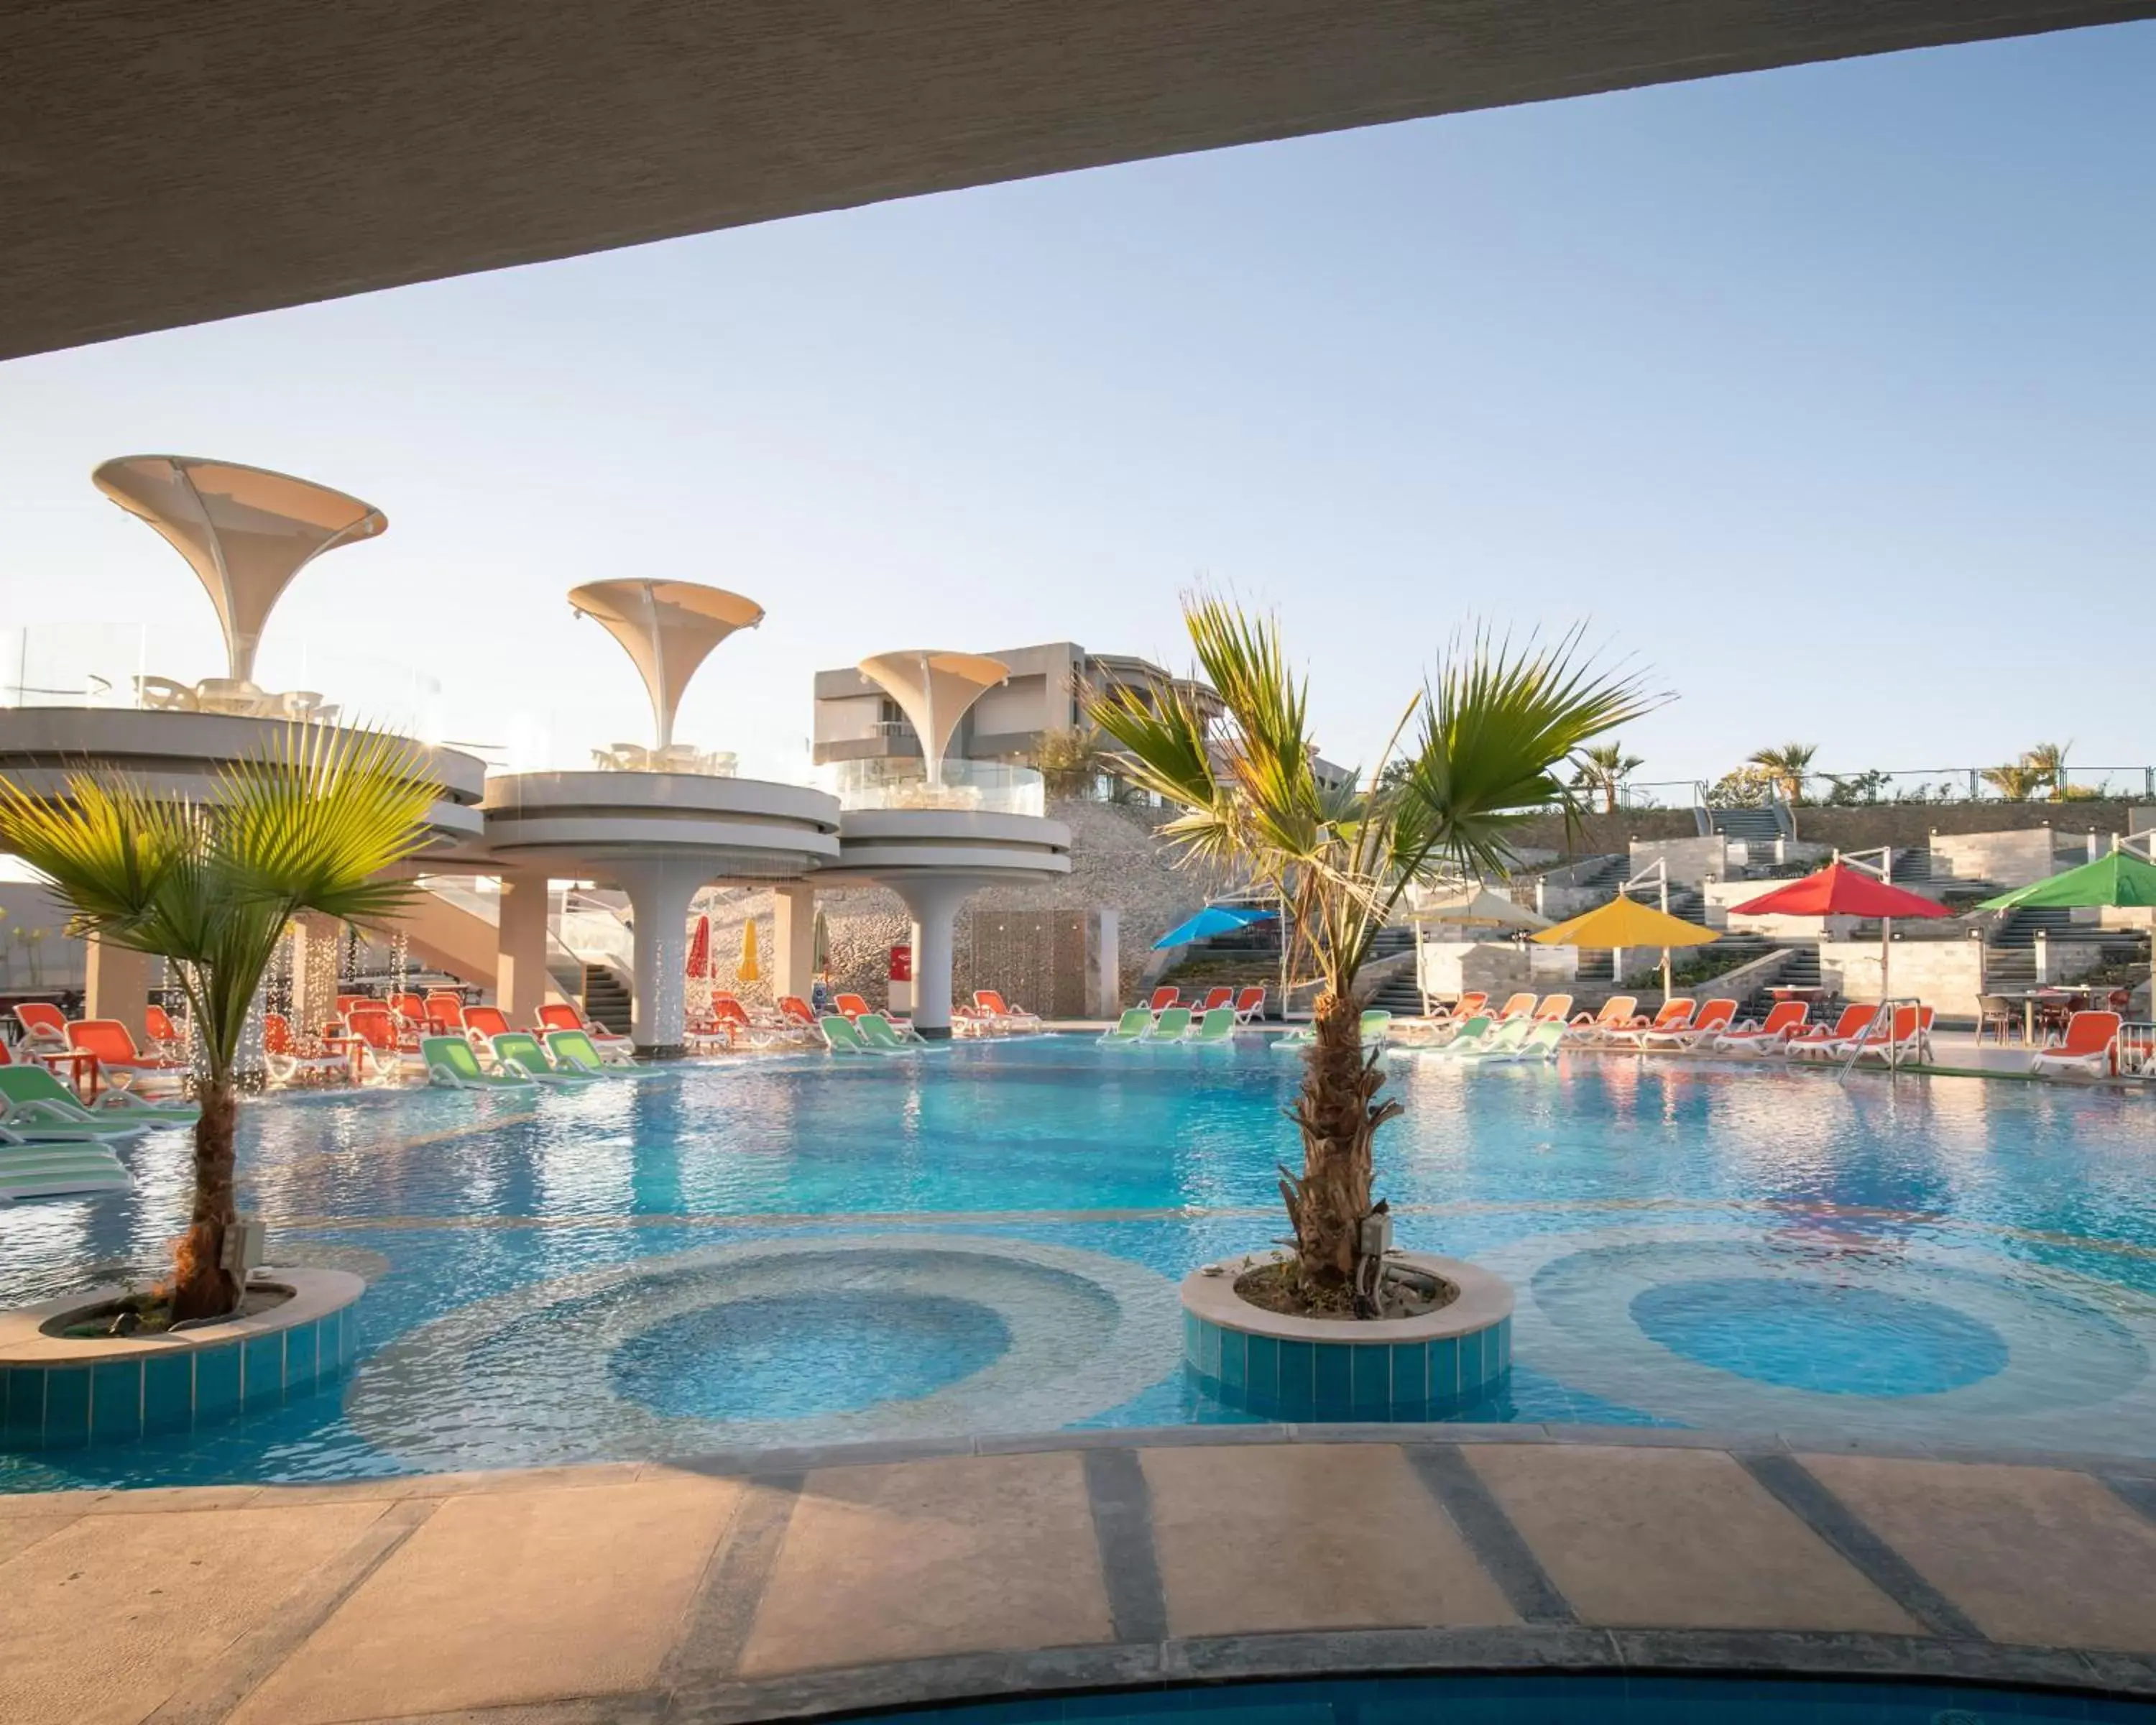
(157, 667)
(1872, 787)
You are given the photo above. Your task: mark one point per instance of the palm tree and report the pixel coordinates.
(2047, 763)
(1487, 736)
(209, 886)
(1603, 769)
(2016, 784)
(1789, 766)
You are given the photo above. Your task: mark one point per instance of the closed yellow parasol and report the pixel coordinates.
(749, 971)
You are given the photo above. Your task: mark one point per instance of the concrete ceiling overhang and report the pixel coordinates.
(162, 166)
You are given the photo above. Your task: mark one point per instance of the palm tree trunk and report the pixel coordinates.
(201, 1286)
(1328, 1205)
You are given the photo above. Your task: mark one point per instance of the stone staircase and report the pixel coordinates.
(1399, 995)
(604, 998)
(1762, 825)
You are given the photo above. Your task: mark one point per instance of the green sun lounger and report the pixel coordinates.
(1173, 1025)
(451, 1063)
(36, 1104)
(881, 1035)
(1473, 1033)
(1501, 1043)
(32, 1169)
(845, 1037)
(519, 1051)
(1130, 1028)
(1216, 1027)
(574, 1051)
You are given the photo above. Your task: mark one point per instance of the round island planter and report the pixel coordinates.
(62, 1392)
(1318, 1370)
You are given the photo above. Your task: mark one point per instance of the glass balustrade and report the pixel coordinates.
(140, 667)
(983, 787)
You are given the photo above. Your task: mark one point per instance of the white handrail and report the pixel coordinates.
(1885, 1015)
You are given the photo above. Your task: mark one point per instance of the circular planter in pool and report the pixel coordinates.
(60, 1392)
(1303, 1369)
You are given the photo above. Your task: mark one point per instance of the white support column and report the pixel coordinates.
(660, 892)
(520, 962)
(793, 940)
(934, 904)
(117, 984)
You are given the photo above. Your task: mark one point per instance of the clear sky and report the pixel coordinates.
(1829, 393)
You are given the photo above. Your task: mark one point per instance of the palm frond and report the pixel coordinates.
(311, 824)
(1495, 723)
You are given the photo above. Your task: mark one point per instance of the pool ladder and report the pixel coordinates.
(1884, 1018)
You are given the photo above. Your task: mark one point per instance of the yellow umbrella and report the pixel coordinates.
(1626, 922)
(749, 970)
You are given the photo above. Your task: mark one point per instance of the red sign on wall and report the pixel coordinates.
(901, 964)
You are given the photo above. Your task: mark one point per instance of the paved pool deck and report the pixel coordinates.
(790, 1583)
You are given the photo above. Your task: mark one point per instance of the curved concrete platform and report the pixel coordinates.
(785, 1583)
(936, 859)
(746, 828)
(180, 751)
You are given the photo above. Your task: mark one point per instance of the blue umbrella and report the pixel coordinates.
(1213, 919)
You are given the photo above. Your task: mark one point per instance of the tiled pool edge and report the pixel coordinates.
(61, 1393)
(1398, 1370)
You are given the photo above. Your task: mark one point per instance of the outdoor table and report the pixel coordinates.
(2031, 999)
(81, 1065)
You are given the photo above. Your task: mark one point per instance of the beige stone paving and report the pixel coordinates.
(541, 1593)
(18, 1533)
(1307, 1536)
(1649, 1539)
(510, 1597)
(2036, 1555)
(962, 1555)
(109, 1615)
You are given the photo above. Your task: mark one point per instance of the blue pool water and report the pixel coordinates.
(991, 1234)
(1551, 1700)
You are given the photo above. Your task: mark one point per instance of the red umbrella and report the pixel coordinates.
(1841, 889)
(700, 949)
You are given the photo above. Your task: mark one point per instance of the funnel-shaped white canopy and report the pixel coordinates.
(934, 690)
(669, 627)
(245, 531)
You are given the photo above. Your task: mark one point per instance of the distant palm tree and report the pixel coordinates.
(1338, 857)
(210, 886)
(2047, 761)
(1603, 769)
(1789, 766)
(2017, 783)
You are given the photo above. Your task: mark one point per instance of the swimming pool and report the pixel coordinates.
(987, 1237)
(1549, 1699)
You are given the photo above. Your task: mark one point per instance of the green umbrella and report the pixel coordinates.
(821, 938)
(2121, 878)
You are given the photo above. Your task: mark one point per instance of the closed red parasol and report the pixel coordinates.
(700, 951)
